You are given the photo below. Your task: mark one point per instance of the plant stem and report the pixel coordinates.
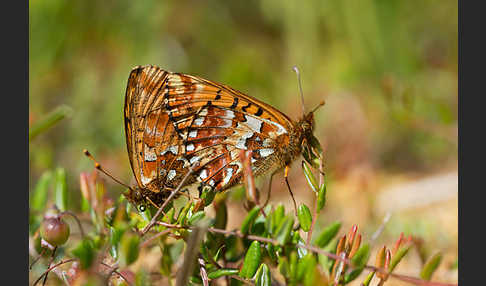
(52, 267)
(160, 210)
(315, 249)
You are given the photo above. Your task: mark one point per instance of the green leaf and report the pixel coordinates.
(314, 142)
(219, 252)
(204, 251)
(252, 260)
(361, 256)
(129, 249)
(328, 234)
(166, 260)
(430, 266)
(263, 277)
(207, 195)
(277, 217)
(39, 197)
(283, 266)
(222, 272)
(311, 179)
(326, 262)
(249, 219)
(348, 277)
(221, 215)
(305, 217)
(49, 120)
(84, 251)
(169, 216)
(142, 278)
(293, 266)
(271, 252)
(60, 189)
(181, 219)
(283, 231)
(196, 217)
(367, 281)
(115, 236)
(455, 265)
(401, 252)
(85, 206)
(305, 266)
(359, 261)
(321, 197)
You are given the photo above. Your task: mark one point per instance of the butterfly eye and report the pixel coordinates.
(142, 208)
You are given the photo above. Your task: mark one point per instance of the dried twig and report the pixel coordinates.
(202, 270)
(192, 250)
(52, 267)
(113, 270)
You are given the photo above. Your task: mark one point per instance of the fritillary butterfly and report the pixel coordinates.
(173, 120)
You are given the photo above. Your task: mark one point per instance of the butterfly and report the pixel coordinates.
(173, 120)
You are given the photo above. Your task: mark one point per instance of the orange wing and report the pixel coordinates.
(173, 120)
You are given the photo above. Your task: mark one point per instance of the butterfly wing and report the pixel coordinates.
(143, 92)
(173, 120)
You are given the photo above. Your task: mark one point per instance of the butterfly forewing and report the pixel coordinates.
(173, 120)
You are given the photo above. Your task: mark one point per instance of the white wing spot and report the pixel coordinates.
(150, 155)
(190, 147)
(193, 133)
(266, 152)
(146, 180)
(199, 121)
(227, 123)
(172, 149)
(194, 159)
(204, 174)
(241, 144)
(230, 114)
(203, 112)
(254, 123)
(229, 174)
(281, 129)
(171, 175)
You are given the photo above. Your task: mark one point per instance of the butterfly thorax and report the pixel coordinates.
(304, 129)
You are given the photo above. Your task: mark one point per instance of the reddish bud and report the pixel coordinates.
(355, 246)
(341, 245)
(398, 243)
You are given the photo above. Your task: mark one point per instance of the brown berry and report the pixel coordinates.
(54, 230)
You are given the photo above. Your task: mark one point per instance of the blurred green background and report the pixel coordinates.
(386, 68)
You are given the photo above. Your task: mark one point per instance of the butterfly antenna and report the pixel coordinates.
(98, 166)
(322, 103)
(300, 88)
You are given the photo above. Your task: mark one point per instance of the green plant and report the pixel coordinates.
(196, 248)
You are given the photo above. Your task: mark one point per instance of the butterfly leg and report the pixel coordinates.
(151, 202)
(269, 189)
(286, 173)
(198, 204)
(204, 197)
